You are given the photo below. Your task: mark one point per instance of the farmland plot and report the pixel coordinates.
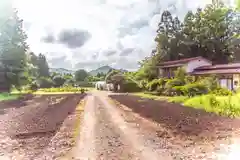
(38, 127)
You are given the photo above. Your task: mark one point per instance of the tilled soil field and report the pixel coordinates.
(183, 132)
(37, 127)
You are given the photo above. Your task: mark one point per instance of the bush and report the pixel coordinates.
(84, 84)
(173, 86)
(222, 92)
(194, 89)
(156, 84)
(63, 89)
(58, 81)
(225, 106)
(45, 82)
(174, 82)
(130, 86)
(33, 86)
(210, 82)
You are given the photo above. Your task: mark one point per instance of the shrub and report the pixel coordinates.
(222, 92)
(194, 89)
(44, 82)
(156, 84)
(143, 84)
(58, 81)
(130, 86)
(33, 86)
(174, 82)
(210, 82)
(172, 85)
(152, 86)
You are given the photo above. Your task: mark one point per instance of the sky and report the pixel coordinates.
(76, 34)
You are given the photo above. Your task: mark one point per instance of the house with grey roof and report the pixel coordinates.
(229, 74)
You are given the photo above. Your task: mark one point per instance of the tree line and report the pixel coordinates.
(20, 67)
(212, 32)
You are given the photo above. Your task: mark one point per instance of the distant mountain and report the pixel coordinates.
(103, 69)
(60, 70)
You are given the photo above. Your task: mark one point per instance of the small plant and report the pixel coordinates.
(222, 92)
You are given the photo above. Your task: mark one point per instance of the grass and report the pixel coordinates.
(150, 96)
(177, 99)
(221, 105)
(77, 128)
(8, 96)
(52, 91)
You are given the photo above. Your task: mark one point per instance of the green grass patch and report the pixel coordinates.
(150, 96)
(8, 96)
(221, 105)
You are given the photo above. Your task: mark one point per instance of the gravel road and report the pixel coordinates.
(115, 132)
(107, 136)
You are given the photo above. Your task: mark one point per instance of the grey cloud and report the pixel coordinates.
(48, 38)
(139, 23)
(60, 62)
(119, 45)
(109, 52)
(73, 38)
(126, 51)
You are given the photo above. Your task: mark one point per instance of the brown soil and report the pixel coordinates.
(39, 127)
(184, 132)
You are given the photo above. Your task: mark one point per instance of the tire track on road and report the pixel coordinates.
(131, 135)
(85, 149)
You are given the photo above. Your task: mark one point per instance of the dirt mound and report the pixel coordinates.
(181, 120)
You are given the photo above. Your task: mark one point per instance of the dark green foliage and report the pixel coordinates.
(222, 92)
(45, 82)
(194, 89)
(58, 81)
(80, 75)
(42, 65)
(84, 84)
(69, 82)
(33, 86)
(156, 84)
(130, 86)
(211, 82)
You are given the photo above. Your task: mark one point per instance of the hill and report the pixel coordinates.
(103, 69)
(61, 70)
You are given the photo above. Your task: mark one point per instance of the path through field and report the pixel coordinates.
(116, 132)
(113, 127)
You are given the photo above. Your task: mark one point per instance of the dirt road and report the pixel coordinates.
(113, 127)
(115, 132)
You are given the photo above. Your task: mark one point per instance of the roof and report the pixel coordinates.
(181, 62)
(216, 71)
(221, 66)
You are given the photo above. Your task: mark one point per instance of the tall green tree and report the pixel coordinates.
(80, 75)
(43, 69)
(13, 48)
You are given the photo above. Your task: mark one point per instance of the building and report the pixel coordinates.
(229, 74)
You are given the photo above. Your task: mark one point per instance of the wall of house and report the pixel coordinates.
(236, 81)
(195, 64)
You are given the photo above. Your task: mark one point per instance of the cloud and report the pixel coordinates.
(73, 38)
(126, 51)
(88, 34)
(48, 38)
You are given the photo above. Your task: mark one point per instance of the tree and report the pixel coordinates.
(58, 81)
(42, 64)
(13, 48)
(208, 33)
(80, 75)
